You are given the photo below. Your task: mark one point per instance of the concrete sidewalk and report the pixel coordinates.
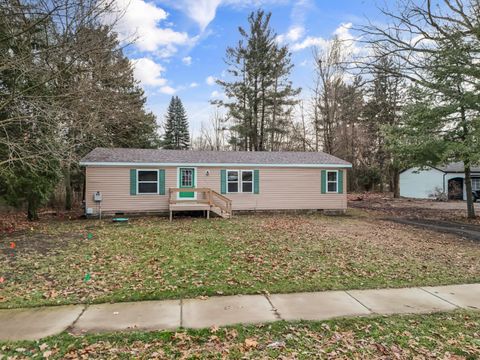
(35, 323)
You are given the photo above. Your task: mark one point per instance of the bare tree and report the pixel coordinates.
(212, 135)
(437, 43)
(330, 75)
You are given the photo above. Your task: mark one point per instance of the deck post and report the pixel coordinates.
(171, 215)
(208, 214)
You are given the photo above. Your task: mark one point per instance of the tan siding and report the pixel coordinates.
(280, 189)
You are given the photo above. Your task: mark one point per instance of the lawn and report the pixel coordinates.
(452, 335)
(91, 261)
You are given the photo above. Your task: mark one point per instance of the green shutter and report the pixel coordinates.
(340, 181)
(133, 181)
(223, 181)
(256, 181)
(161, 181)
(323, 184)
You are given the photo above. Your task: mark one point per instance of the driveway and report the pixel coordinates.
(468, 231)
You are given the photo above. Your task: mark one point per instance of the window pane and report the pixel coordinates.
(147, 188)
(233, 187)
(332, 176)
(247, 187)
(187, 177)
(233, 176)
(147, 175)
(332, 187)
(247, 176)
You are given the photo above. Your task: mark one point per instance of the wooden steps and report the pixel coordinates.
(220, 212)
(206, 199)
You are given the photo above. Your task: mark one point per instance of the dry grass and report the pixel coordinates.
(151, 258)
(436, 336)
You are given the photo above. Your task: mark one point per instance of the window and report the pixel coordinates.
(475, 184)
(232, 181)
(247, 181)
(147, 181)
(240, 181)
(332, 181)
(186, 178)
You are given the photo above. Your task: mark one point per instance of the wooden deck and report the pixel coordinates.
(206, 200)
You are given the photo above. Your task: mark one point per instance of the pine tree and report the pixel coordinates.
(183, 134)
(176, 126)
(65, 90)
(260, 94)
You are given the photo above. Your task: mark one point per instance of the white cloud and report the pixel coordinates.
(148, 72)
(342, 33)
(194, 85)
(210, 80)
(217, 94)
(293, 34)
(204, 11)
(140, 21)
(201, 11)
(187, 60)
(304, 63)
(309, 41)
(167, 90)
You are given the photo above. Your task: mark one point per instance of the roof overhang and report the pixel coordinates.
(119, 164)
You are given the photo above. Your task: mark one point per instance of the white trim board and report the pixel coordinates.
(319, 166)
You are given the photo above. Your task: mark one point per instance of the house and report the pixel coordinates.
(141, 180)
(429, 181)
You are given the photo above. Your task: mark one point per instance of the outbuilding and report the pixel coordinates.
(143, 180)
(429, 182)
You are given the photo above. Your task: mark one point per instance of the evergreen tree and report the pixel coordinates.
(64, 90)
(176, 126)
(260, 94)
(382, 111)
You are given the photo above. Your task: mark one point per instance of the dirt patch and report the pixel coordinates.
(384, 205)
(26, 242)
(471, 232)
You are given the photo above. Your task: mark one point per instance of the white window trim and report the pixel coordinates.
(240, 181)
(148, 182)
(195, 177)
(336, 182)
(252, 182)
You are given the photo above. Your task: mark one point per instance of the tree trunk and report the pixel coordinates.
(32, 212)
(68, 188)
(468, 189)
(396, 183)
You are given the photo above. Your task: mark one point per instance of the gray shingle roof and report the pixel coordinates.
(457, 167)
(149, 156)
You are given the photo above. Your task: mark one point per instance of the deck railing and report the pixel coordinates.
(204, 196)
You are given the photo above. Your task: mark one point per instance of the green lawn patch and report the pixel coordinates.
(93, 261)
(445, 335)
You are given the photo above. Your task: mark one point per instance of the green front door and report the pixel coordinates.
(186, 181)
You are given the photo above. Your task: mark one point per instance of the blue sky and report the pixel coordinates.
(179, 45)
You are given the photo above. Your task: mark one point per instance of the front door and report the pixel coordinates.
(186, 181)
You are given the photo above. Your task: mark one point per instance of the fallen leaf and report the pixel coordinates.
(251, 343)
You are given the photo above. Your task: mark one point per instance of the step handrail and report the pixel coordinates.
(228, 202)
(225, 203)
